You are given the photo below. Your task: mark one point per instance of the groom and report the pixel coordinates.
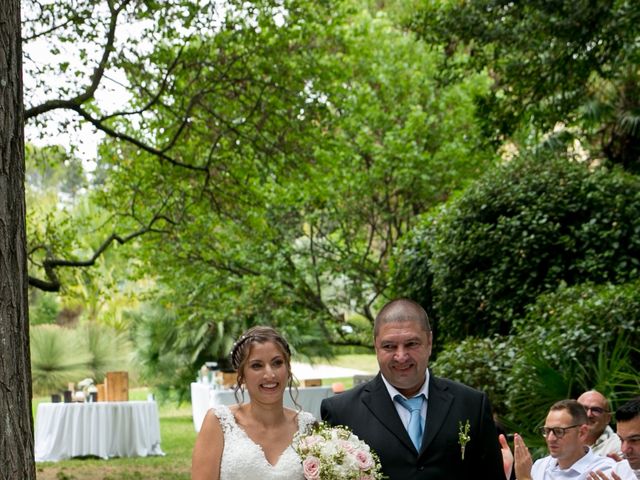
(411, 419)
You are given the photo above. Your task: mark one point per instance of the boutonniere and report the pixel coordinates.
(463, 436)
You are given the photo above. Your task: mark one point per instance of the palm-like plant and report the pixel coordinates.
(614, 112)
(612, 374)
(545, 384)
(109, 349)
(57, 358)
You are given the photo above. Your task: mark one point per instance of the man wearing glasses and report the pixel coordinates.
(565, 432)
(600, 436)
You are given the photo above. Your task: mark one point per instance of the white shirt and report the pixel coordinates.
(547, 468)
(405, 414)
(607, 443)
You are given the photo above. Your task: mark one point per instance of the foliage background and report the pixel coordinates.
(527, 227)
(299, 163)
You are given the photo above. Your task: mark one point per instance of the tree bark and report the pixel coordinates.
(16, 422)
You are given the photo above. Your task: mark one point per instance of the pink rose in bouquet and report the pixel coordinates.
(365, 460)
(311, 468)
(335, 453)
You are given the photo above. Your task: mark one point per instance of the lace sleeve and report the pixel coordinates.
(306, 421)
(225, 417)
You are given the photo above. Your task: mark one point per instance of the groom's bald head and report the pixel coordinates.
(401, 310)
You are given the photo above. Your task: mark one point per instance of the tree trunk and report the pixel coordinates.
(16, 422)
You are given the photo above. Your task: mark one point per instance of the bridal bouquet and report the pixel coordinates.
(335, 453)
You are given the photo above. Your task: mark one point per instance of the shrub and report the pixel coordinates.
(481, 363)
(572, 340)
(523, 229)
(43, 308)
(61, 355)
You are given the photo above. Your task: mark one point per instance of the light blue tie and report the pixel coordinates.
(414, 405)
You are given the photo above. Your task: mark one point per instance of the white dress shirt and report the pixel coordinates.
(547, 468)
(608, 442)
(404, 414)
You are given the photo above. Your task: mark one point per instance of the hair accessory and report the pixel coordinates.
(259, 337)
(235, 361)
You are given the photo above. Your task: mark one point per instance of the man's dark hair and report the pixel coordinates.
(629, 410)
(577, 411)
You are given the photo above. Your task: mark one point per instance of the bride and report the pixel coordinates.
(253, 440)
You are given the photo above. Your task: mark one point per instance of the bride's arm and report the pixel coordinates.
(207, 452)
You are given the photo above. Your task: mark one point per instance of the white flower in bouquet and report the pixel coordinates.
(335, 453)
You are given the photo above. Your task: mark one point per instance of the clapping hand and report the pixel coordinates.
(507, 456)
(522, 458)
(600, 475)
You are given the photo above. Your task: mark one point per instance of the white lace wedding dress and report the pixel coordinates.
(242, 459)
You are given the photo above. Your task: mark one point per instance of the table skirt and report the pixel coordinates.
(102, 429)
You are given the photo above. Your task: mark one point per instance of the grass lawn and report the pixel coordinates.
(366, 363)
(178, 437)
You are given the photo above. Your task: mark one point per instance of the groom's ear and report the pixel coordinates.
(429, 342)
(429, 335)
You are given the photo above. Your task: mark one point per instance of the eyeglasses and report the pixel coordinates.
(557, 431)
(595, 410)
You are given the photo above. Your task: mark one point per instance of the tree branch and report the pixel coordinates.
(96, 76)
(134, 141)
(52, 283)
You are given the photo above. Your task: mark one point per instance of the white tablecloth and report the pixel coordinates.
(103, 429)
(203, 397)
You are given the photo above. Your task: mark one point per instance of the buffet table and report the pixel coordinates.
(204, 396)
(102, 429)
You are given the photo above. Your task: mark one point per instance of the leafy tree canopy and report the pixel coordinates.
(301, 203)
(567, 62)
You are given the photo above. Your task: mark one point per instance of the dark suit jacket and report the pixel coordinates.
(369, 411)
